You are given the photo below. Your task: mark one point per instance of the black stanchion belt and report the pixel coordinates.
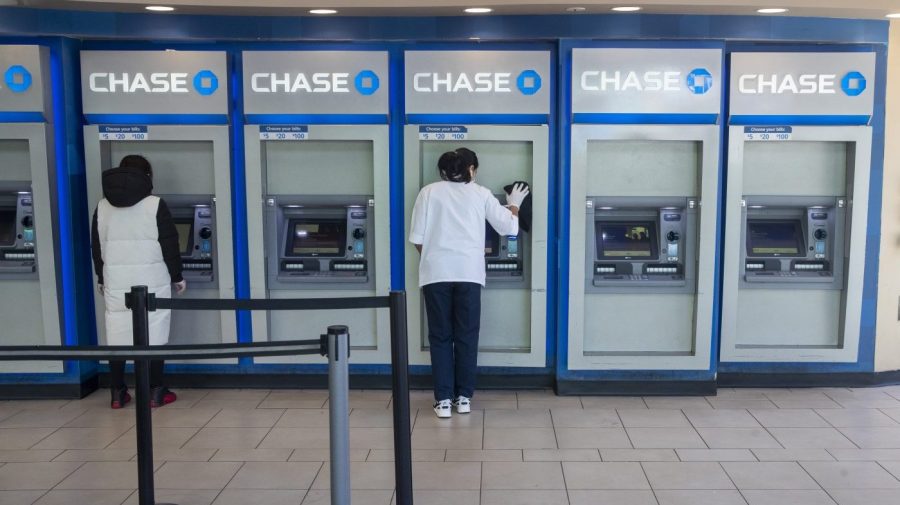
(167, 352)
(368, 302)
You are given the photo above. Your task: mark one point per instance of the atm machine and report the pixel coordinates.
(514, 300)
(318, 195)
(642, 221)
(798, 205)
(30, 303)
(191, 172)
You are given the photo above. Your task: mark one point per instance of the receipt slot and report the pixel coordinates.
(513, 302)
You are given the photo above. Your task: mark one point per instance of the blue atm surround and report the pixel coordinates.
(67, 32)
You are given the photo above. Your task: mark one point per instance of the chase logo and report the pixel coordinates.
(206, 82)
(853, 84)
(529, 82)
(17, 78)
(366, 82)
(699, 81)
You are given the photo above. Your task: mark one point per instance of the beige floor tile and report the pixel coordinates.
(427, 419)
(37, 404)
(436, 438)
(94, 497)
(719, 403)
(807, 402)
(207, 403)
(484, 455)
(857, 418)
(180, 496)
(784, 497)
(611, 497)
(893, 467)
(252, 455)
(535, 497)
(721, 418)
(227, 438)
(376, 418)
(738, 438)
(604, 476)
(638, 455)
(699, 497)
(34, 476)
(873, 438)
(325, 455)
(104, 417)
(561, 455)
(259, 418)
(260, 496)
(296, 438)
(519, 438)
(851, 475)
(447, 475)
(192, 475)
(653, 418)
(677, 402)
(303, 418)
(586, 418)
(562, 402)
(237, 394)
(187, 398)
(271, 475)
(742, 393)
(357, 497)
(613, 402)
(22, 438)
(96, 455)
(164, 454)
(417, 455)
(715, 455)
(789, 418)
(363, 475)
(182, 418)
(81, 438)
(521, 418)
(522, 476)
(102, 475)
(792, 455)
(289, 400)
(687, 476)
(22, 497)
(892, 413)
(162, 438)
(811, 438)
(592, 438)
(865, 496)
(32, 456)
(865, 454)
(752, 475)
(457, 497)
(40, 419)
(665, 438)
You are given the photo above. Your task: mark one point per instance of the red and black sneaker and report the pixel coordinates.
(120, 398)
(160, 396)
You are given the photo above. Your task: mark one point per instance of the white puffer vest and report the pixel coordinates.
(129, 243)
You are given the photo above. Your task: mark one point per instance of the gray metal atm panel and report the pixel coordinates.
(500, 162)
(639, 324)
(796, 168)
(15, 160)
(185, 167)
(643, 168)
(319, 167)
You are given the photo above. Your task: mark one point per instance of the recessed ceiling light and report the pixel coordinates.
(633, 8)
(479, 10)
(322, 11)
(474, 38)
(777, 10)
(159, 8)
(894, 15)
(575, 9)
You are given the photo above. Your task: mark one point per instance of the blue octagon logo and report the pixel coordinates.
(699, 81)
(18, 79)
(853, 84)
(366, 82)
(206, 82)
(528, 82)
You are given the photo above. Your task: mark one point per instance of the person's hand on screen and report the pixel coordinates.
(517, 195)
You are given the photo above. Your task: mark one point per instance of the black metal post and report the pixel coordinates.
(136, 300)
(400, 380)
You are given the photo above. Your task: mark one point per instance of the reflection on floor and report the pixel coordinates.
(235, 447)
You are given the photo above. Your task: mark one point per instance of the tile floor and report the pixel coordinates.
(833, 446)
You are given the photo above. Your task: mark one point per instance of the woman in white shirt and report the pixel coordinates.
(448, 229)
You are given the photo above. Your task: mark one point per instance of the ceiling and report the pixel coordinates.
(871, 9)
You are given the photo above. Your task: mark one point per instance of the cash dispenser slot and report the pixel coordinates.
(195, 225)
(17, 236)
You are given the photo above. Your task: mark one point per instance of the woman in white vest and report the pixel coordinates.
(134, 242)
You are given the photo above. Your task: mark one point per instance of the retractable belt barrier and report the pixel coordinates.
(335, 344)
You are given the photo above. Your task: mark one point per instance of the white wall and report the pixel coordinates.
(887, 340)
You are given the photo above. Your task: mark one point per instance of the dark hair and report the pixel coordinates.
(138, 162)
(454, 165)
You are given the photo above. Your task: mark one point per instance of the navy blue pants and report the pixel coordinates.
(454, 319)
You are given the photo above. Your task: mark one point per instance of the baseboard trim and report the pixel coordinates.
(636, 388)
(809, 380)
(64, 391)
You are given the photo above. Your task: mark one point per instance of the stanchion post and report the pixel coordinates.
(136, 300)
(400, 383)
(339, 412)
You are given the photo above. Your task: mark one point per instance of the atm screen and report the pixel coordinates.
(491, 242)
(185, 229)
(316, 237)
(774, 238)
(634, 239)
(7, 226)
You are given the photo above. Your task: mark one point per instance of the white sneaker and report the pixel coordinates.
(463, 405)
(443, 409)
